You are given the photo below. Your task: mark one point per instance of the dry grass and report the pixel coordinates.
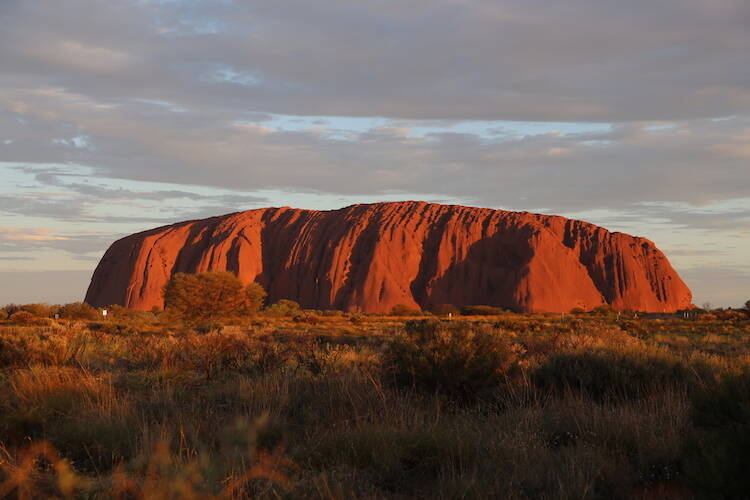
(582, 407)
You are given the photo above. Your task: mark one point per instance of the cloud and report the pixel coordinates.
(154, 111)
(627, 165)
(185, 92)
(722, 285)
(77, 56)
(18, 239)
(55, 177)
(450, 59)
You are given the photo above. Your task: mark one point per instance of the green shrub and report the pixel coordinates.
(718, 452)
(78, 310)
(446, 309)
(456, 358)
(284, 307)
(480, 310)
(404, 310)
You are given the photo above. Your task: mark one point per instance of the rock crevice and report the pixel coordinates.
(371, 257)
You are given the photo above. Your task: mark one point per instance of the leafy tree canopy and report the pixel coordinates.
(211, 298)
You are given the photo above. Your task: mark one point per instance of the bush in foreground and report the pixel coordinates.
(622, 373)
(456, 358)
(719, 449)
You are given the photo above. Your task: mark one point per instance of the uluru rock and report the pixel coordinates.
(372, 257)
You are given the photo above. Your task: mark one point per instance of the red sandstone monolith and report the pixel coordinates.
(373, 257)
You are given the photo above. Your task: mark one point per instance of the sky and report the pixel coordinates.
(117, 117)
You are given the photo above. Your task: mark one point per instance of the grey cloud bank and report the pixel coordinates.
(185, 93)
(455, 59)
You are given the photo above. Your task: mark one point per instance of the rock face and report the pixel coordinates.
(373, 257)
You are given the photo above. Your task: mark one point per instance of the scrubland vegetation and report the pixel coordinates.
(309, 404)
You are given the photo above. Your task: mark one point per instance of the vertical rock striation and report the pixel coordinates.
(372, 257)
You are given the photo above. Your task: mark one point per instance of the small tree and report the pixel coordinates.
(211, 298)
(404, 310)
(78, 310)
(284, 307)
(446, 309)
(747, 307)
(41, 310)
(256, 297)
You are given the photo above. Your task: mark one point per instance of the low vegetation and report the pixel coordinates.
(287, 403)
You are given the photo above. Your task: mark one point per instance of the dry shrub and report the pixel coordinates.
(41, 310)
(316, 357)
(209, 353)
(283, 308)
(78, 310)
(254, 470)
(60, 391)
(446, 309)
(13, 351)
(570, 336)
(24, 318)
(145, 351)
(623, 372)
(52, 346)
(513, 325)
(718, 451)
(308, 318)
(480, 310)
(271, 357)
(456, 358)
(77, 411)
(404, 310)
(396, 460)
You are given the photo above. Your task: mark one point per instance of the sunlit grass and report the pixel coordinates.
(318, 406)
